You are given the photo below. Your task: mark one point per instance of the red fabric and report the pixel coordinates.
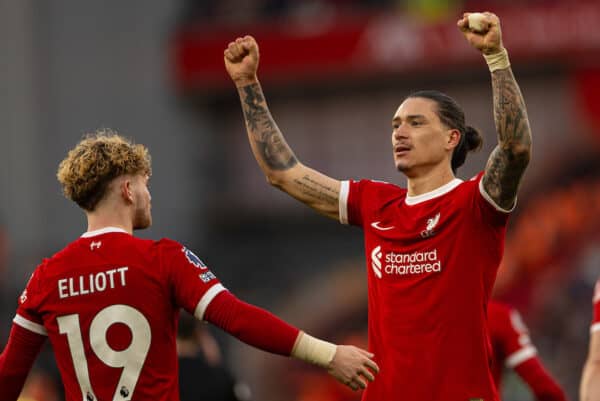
(539, 380)
(431, 265)
(129, 288)
(596, 319)
(508, 335)
(17, 359)
(252, 325)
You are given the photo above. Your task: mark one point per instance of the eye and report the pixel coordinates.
(416, 123)
(395, 125)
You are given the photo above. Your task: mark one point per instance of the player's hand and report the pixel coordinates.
(353, 366)
(241, 60)
(489, 39)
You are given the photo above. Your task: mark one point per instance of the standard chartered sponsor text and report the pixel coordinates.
(412, 263)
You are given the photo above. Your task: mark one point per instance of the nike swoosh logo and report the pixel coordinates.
(376, 225)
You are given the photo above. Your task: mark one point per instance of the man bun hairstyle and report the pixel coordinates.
(95, 161)
(452, 115)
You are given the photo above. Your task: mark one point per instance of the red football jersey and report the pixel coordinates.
(596, 321)
(109, 303)
(431, 264)
(510, 339)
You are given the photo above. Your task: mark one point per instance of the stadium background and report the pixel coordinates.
(334, 72)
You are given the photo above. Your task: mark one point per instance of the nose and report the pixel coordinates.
(400, 132)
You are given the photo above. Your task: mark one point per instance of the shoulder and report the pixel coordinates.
(374, 187)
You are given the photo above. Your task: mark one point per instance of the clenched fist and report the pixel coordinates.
(489, 39)
(241, 60)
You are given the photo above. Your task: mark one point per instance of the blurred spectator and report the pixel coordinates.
(202, 375)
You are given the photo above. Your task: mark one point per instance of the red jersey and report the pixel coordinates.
(109, 303)
(596, 321)
(431, 264)
(510, 339)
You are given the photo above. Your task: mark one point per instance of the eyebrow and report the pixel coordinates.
(409, 117)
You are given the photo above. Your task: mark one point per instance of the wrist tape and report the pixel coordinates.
(497, 61)
(313, 350)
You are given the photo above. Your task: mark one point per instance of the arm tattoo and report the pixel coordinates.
(315, 190)
(508, 161)
(268, 140)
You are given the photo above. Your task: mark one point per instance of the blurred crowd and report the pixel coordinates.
(235, 12)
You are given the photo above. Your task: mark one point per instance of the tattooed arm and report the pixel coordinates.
(508, 161)
(273, 154)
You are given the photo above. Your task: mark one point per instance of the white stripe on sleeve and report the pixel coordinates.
(520, 356)
(206, 299)
(343, 203)
(29, 325)
(488, 198)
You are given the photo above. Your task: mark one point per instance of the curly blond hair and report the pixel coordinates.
(99, 158)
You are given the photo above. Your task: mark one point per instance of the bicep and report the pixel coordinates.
(316, 190)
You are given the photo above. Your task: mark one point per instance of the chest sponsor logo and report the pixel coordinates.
(376, 261)
(376, 225)
(403, 264)
(429, 230)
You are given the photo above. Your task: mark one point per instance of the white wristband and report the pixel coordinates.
(313, 350)
(497, 61)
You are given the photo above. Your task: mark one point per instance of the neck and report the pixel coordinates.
(108, 217)
(423, 183)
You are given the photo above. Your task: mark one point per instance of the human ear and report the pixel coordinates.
(453, 138)
(126, 191)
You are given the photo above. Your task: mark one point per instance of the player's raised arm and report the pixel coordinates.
(509, 159)
(273, 154)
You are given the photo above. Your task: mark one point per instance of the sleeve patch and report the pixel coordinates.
(192, 258)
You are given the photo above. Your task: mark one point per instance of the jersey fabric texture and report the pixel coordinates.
(510, 339)
(109, 303)
(431, 264)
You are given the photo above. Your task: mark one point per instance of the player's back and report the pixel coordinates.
(107, 306)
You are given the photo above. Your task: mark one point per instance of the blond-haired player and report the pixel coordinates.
(109, 302)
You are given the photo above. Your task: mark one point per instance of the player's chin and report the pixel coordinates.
(401, 165)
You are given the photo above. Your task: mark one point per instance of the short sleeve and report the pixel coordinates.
(518, 346)
(489, 211)
(357, 199)
(28, 315)
(193, 285)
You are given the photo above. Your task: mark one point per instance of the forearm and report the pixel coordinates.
(510, 113)
(16, 360)
(539, 380)
(268, 144)
(277, 160)
(252, 325)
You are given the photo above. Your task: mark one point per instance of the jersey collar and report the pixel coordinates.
(101, 231)
(444, 189)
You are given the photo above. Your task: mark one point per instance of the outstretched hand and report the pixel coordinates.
(241, 60)
(353, 366)
(489, 39)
